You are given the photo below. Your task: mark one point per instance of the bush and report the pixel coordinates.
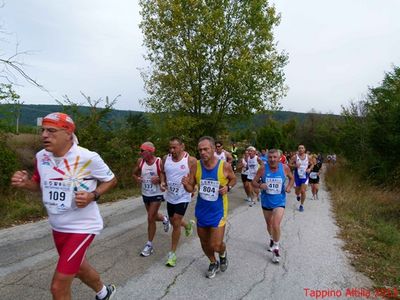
(8, 164)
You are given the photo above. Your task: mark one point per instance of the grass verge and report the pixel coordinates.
(368, 217)
(19, 207)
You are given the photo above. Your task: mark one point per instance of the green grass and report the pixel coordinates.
(369, 220)
(18, 207)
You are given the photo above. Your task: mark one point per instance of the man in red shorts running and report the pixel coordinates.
(68, 177)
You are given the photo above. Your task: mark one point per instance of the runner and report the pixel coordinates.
(222, 154)
(244, 171)
(282, 157)
(273, 197)
(253, 164)
(68, 177)
(215, 178)
(234, 156)
(177, 166)
(300, 163)
(148, 173)
(314, 177)
(264, 156)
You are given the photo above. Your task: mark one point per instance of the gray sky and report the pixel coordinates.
(337, 49)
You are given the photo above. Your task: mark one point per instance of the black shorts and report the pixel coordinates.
(313, 181)
(179, 208)
(149, 199)
(244, 177)
(271, 209)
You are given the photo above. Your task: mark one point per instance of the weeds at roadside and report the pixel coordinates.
(369, 220)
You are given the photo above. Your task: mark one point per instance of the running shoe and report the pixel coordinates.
(166, 224)
(298, 198)
(252, 203)
(171, 261)
(271, 243)
(189, 228)
(111, 290)
(223, 262)
(301, 208)
(212, 270)
(147, 250)
(275, 255)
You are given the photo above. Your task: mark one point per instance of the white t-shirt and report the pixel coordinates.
(78, 170)
(252, 166)
(302, 166)
(221, 156)
(174, 171)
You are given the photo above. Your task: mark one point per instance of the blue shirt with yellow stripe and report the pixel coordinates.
(211, 207)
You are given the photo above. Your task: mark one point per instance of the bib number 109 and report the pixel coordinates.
(57, 196)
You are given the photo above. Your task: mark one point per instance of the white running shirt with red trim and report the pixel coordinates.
(150, 189)
(174, 172)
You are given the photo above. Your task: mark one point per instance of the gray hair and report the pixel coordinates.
(207, 138)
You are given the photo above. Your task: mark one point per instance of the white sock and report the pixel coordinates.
(165, 219)
(150, 243)
(276, 245)
(103, 293)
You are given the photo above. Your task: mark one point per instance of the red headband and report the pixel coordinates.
(148, 148)
(59, 120)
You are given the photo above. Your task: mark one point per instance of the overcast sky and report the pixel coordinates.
(337, 49)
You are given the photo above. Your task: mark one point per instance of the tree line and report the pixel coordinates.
(366, 135)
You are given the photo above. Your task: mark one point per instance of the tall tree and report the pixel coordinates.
(210, 59)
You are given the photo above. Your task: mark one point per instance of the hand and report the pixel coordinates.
(288, 190)
(82, 199)
(163, 186)
(155, 179)
(139, 179)
(185, 180)
(223, 190)
(20, 179)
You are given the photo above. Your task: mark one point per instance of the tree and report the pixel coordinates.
(211, 59)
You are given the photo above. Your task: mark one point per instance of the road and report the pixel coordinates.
(313, 261)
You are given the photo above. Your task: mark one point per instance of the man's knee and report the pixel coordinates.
(61, 285)
(216, 246)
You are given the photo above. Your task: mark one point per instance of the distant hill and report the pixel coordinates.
(30, 113)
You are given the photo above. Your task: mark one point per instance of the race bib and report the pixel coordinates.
(175, 188)
(302, 172)
(209, 189)
(148, 186)
(57, 195)
(274, 186)
(313, 175)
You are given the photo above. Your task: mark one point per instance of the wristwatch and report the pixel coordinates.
(96, 195)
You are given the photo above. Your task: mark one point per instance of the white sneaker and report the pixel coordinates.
(147, 250)
(166, 224)
(275, 255)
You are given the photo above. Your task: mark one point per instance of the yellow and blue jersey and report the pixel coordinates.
(211, 207)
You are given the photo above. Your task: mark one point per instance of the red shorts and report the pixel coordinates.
(71, 248)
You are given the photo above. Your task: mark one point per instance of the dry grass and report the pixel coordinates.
(369, 220)
(20, 207)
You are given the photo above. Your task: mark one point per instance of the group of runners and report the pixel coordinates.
(72, 179)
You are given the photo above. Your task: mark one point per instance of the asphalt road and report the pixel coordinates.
(313, 264)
